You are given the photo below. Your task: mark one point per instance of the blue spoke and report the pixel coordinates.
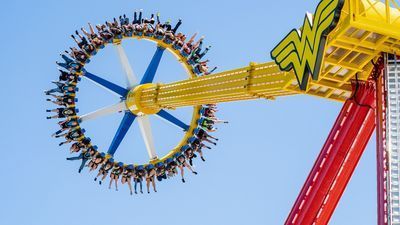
(107, 84)
(121, 132)
(151, 70)
(165, 115)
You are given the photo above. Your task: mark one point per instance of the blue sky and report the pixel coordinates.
(252, 177)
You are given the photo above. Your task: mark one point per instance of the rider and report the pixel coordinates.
(150, 177)
(197, 145)
(127, 176)
(63, 112)
(204, 136)
(181, 161)
(160, 171)
(114, 176)
(98, 159)
(84, 156)
(75, 134)
(104, 169)
(138, 175)
(66, 125)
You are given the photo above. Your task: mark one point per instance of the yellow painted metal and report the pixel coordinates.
(366, 28)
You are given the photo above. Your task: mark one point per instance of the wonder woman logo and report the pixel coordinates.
(302, 50)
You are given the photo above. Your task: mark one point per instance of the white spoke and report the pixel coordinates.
(145, 129)
(130, 76)
(104, 111)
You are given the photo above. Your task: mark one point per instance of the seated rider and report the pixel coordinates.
(171, 167)
(75, 134)
(68, 77)
(181, 161)
(197, 145)
(104, 169)
(189, 154)
(98, 159)
(127, 176)
(84, 156)
(161, 172)
(78, 55)
(115, 173)
(66, 100)
(70, 65)
(115, 28)
(202, 135)
(63, 112)
(104, 33)
(150, 177)
(67, 125)
(138, 175)
(63, 88)
(77, 147)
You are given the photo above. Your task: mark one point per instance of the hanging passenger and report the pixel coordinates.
(67, 125)
(115, 173)
(160, 171)
(150, 177)
(181, 161)
(104, 33)
(171, 166)
(66, 100)
(84, 156)
(63, 112)
(63, 88)
(104, 169)
(138, 175)
(70, 65)
(204, 136)
(98, 159)
(197, 145)
(127, 177)
(75, 134)
(68, 77)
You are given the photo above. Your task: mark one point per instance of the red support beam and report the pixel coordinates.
(381, 157)
(337, 160)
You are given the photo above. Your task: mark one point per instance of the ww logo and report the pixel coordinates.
(302, 50)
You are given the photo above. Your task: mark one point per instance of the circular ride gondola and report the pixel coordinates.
(189, 55)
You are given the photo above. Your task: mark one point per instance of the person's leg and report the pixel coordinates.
(82, 165)
(141, 186)
(209, 141)
(67, 59)
(116, 183)
(182, 174)
(153, 181)
(148, 185)
(58, 132)
(75, 158)
(103, 178)
(140, 17)
(130, 186)
(135, 187)
(111, 180)
(208, 135)
(57, 89)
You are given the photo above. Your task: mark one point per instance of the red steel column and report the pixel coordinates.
(381, 157)
(338, 159)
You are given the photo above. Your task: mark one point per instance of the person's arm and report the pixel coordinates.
(192, 38)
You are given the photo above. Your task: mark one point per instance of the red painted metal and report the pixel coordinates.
(338, 158)
(381, 153)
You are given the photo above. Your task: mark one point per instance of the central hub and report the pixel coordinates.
(133, 101)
